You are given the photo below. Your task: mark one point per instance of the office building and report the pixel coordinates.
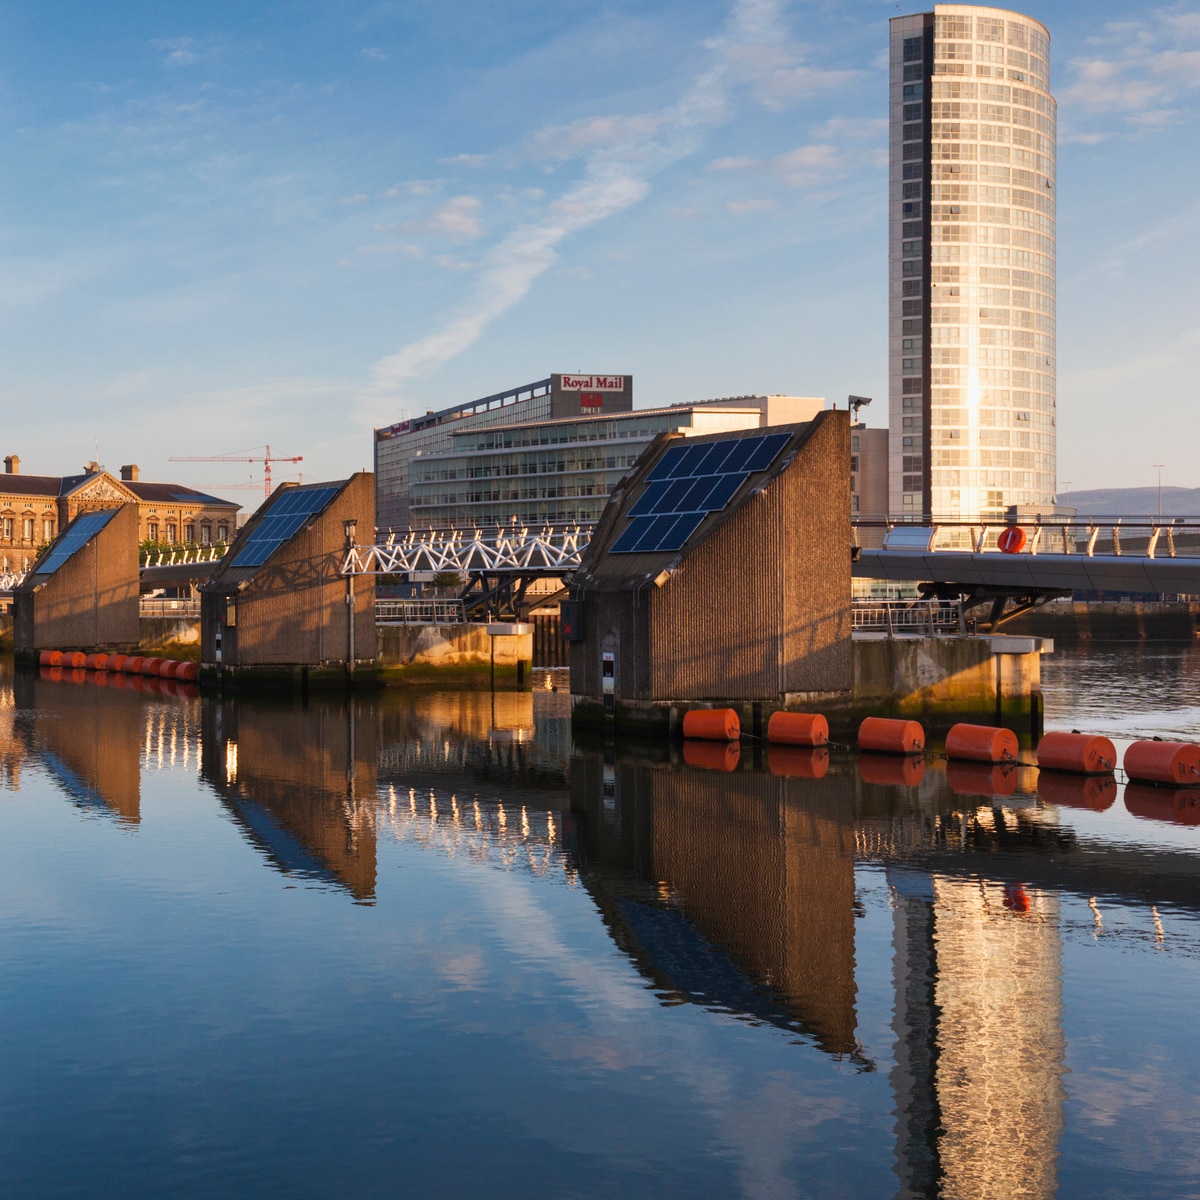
(518, 459)
(399, 446)
(971, 264)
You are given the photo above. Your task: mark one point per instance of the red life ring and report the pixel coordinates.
(1011, 540)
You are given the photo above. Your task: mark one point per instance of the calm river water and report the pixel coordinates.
(428, 945)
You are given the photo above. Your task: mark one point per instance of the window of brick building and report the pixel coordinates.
(152, 531)
(172, 530)
(47, 530)
(8, 529)
(222, 533)
(189, 532)
(205, 535)
(27, 529)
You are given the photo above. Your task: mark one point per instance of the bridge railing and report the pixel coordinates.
(183, 556)
(420, 612)
(156, 606)
(914, 617)
(548, 551)
(1151, 537)
(10, 580)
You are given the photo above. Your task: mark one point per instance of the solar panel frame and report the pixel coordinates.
(78, 534)
(283, 520)
(689, 482)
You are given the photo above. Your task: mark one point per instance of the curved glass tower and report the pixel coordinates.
(971, 264)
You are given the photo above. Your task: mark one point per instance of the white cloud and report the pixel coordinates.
(357, 198)
(465, 160)
(1145, 77)
(413, 187)
(457, 218)
(742, 208)
(177, 52)
(802, 167)
(620, 155)
(375, 54)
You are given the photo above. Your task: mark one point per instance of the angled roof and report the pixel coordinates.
(606, 562)
(56, 486)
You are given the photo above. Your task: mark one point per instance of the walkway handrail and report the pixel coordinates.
(420, 612)
(922, 617)
(549, 551)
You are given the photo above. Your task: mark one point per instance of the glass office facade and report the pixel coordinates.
(971, 264)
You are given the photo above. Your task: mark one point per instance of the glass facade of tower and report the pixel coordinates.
(971, 264)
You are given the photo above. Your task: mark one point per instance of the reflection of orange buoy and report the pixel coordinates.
(190, 690)
(888, 736)
(1163, 762)
(981, 779)
(78, 675)
(712, 724)
(981, 743)
(892, 770)
(1011, 540)
(795, 762)
(1179, 805)
(798, 729)
(715, 756)
(1081, 753)
(50, 658)
(1096, 792)
(54, 674)
(1016, 898)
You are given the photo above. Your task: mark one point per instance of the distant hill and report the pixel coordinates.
(1134, 502)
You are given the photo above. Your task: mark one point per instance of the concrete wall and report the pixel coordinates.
(449, 646)
(91, 601)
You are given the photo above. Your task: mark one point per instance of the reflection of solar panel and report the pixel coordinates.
(81, 530)
(282, 520)
(687, 484)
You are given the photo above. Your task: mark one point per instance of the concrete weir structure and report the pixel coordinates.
(278, 609)
(82, 593)
(719, 576)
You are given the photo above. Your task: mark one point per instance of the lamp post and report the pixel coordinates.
(350, 525)
(853, 404)
(1159, 468)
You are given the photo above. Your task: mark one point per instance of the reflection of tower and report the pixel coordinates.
(979, 1062)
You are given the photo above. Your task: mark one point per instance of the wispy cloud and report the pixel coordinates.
(802, 167)
(465, 160)
(375, 54)
(177, 52)
(457, 218)
(1143, 72)
(620, 155)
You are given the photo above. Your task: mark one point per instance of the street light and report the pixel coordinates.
(350, 525)
(1159, 467)
(854, 403)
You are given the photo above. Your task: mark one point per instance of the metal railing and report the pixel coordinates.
(927, 618)
(181, 556)
(10, 580)
(547, 550)
(156, 607)
(420, 612)
(1149, 537)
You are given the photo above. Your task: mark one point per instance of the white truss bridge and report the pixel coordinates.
(548, 551)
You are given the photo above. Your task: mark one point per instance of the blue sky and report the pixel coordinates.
(224, 224)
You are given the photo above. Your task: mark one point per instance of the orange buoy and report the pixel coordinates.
(188, 671)
(133, 666)
(1080, 753)
(712, 724)
(73, 658)
(1178, 805)
(712, 755)
(50, 658)
(888, 769)
(1011, 540)
(981, 743)
(96, 662)
(888, 736)
(1175, 763)
(797, 762)
(798, 729)
(1096, 792)
(981, 778)
(116, 662)
(167, 668)
(150, 665)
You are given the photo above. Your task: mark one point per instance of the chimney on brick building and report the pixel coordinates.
(129, 473)
(12, 465)
(92, 468)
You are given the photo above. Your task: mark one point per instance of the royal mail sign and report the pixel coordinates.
(593, 383)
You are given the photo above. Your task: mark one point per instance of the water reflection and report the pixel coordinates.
(904, 924)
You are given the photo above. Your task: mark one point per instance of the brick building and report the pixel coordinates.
(33, 508)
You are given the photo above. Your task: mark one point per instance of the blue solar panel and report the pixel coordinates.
(78, 534)
(282, 520)
(687, 483)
